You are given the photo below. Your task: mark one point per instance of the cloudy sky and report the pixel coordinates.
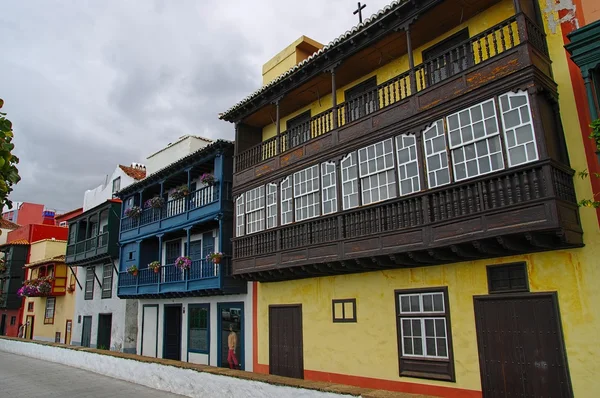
(91, 84)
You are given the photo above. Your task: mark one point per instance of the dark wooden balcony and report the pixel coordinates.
(506, 52)
(519, 210)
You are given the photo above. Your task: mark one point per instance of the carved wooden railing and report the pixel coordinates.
(482, 47)
(541, 180)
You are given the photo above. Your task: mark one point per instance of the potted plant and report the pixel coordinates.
(208, 179)
(183, 262)
(155, 266)
(70, 289)
(215, 257)
(595, 135)
(133, 212)
(2, 266)
(180, 191)
(133, 270)
(154, 203)
(44, 287)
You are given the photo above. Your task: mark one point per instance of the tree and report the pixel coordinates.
(9, 174)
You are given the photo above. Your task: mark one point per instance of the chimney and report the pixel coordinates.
(138, 166)
(48, 217)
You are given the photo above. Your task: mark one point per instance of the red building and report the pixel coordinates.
(24, 213)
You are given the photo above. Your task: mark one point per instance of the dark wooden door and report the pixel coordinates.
(286, 356)
(3, 325)
(521, 347)
(86, 331)
(172, 333)
(104, 328)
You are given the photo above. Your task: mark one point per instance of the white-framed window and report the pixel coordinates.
(307, 201)
(255, 210)
(349, 170)
(49, 310)
(287, 216)
(376, 171)
(475, 141)
(239, 215)
(423, 324)
(271, 205)
(329, 187)
(519, 136)
(436, 155)
(408, 164)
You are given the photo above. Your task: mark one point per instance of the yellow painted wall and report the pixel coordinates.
(369, 347)
(477, 24)
(46, 249)
(288, 58)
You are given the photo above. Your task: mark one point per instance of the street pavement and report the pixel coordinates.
(25, 377)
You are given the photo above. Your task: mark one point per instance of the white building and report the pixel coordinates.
(101, 319)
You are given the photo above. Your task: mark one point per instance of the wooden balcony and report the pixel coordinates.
(519, 210)
(500, 56)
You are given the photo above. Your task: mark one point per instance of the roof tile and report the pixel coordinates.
(136, 174)
(6, 224)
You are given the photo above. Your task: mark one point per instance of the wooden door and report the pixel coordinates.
(68, 328)
(29, 327)
(286, 356)
(104, 331)
(86, 331)
(3, 325)
(172, 333)
(521, 347)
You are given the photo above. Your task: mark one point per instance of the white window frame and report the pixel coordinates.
(413, 155)
(306, 197)
(240, 214)
(487, 137)
(439, 126)
(368, 157)
(527, 107)
(351, 161)
(287, 196)
(329, 192)
(271, 192)
(49, 320)
(255, 210)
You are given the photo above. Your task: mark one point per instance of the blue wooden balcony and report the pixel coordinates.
(200, 205)
(203, 278)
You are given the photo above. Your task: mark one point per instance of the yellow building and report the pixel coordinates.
(49, 290)
(405, 202)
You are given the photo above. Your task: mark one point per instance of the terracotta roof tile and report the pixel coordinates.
(136, 174)
(6, 224)
(55, 259)
(20, 242)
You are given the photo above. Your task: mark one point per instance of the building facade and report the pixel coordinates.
(24, 213)
(174, 227)
(12, 275)
(102, 320)
(416, 227)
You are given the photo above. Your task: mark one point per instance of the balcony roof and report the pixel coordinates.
(176, 166)
(50, 260)
(321, 54)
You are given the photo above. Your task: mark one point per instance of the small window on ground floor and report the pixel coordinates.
(424, 334)
(199, 328)
(49, 312)
(508, 278)
(30, 306)
(13, 320)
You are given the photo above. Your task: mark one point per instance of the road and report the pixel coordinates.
(26, 377)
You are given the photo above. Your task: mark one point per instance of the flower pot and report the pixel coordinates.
(217, 260)
(134, 273)
(156, 270)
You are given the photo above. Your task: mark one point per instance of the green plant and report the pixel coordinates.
(9, 174)
(133, 270)
(595, 134)
(589, 202)
(154, 265)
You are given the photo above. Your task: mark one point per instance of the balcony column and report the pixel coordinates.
(517, 4)
(188, 199)
(218, 173)
(334, 98)
(590, 94)
(87, 228)
(411, 61)
(277, 127)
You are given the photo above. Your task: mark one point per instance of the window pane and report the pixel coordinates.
(430, 343)
(418, 346)
(198, 328)
(442, 351)
(518, 128)
(435, 154)
(408, 350)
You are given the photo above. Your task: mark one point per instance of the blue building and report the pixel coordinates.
(183, 211)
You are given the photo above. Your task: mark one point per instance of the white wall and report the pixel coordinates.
(124, 334)
(172, 379)
(102, 193)
(210, 359)
(173, 152)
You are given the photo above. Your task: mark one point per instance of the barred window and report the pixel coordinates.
(329, 187)
(307, 202)
(255, 210)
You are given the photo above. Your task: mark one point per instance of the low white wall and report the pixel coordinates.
(185, 382)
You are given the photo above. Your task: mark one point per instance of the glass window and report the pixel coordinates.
(49, 311)
(519, 135)
(349, 171)
(307, 203)
(271, 205)
(239, 215)
(286, 201)
(116, 185)
(89, 283)
(255, 210)
(408, 164)
(329, 187)
(436, 156)
(107, 279)
(199, 315)
(475, 141)
(376, 170)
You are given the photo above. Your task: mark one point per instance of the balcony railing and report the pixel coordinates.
(170, 278)
(90, 244)
(195, 200)
(480, 48)
(519, 185)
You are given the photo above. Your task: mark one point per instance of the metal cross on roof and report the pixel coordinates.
(359, 11)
